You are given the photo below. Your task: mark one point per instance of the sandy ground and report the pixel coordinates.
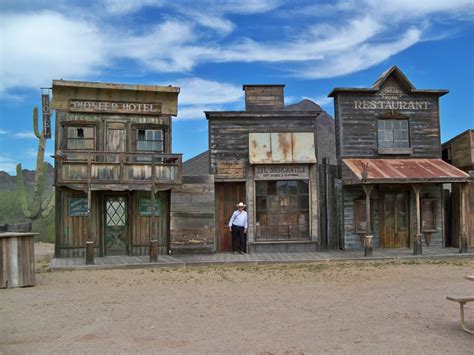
(333, 307)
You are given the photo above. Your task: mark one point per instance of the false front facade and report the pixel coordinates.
(114, 170)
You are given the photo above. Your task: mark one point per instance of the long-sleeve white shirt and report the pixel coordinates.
(239, 218)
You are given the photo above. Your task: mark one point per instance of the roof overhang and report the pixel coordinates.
(400, 171)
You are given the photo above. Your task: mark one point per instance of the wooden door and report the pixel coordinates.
(228, 194)
(395, 217)
(116, 225)
(115, 142)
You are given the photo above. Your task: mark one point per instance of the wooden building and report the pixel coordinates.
(270, 157)
(389, 157)
(192, 208)
(114, 170)
(459, 151)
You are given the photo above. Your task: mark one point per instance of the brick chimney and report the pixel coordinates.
(264, 97)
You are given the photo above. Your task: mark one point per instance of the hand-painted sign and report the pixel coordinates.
(46, 115)
(281, 172)
(140, 108)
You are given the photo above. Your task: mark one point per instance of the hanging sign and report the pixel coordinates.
(46, 115)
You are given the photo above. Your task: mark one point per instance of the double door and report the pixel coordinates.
(395, 229)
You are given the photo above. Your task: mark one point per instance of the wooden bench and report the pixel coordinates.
(462, 302)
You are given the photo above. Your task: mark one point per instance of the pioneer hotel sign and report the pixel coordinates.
(115, 107)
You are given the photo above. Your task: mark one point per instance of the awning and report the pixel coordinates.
(383, 171)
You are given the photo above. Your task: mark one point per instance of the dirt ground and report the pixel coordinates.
(389, 307)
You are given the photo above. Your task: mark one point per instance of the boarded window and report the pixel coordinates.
(80, 138)
(144, 207)
(428, 215)
(393, 133)
(77, 206)
(282, 210)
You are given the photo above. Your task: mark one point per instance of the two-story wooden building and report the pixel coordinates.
(389, 156)
(114, 170)
(268, 156)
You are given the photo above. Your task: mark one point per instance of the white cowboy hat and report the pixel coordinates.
(241, 204)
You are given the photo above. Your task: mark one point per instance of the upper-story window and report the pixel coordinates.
(393, 133)
(80, 138)
(150, 140)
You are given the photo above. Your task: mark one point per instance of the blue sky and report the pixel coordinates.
(210, 48)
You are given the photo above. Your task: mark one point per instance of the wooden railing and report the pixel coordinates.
(86, 167)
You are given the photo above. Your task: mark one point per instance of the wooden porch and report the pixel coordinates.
(186, 260)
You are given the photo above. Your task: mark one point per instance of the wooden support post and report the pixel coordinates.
(90, 240)
(418, 243)
(463, 224)
(153, 238)
(368, 249)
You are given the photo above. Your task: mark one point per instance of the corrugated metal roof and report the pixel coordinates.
(404, 170)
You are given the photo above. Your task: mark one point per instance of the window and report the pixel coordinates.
(144, 207)
(282, 210)
(77, 206)
(80, 138)
(150, 140)
(393, 133)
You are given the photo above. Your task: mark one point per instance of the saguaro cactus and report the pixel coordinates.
(38, 208)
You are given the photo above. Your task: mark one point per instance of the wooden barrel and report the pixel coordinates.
(17, 265)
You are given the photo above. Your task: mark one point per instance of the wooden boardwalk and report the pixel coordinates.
(184, 260)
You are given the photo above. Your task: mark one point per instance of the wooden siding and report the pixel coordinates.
(351, 238)
(17, 260)
(192, 215)
(459, 151)
(140, 225)
(228, 138)
(356, 128)
(263, 97)
(71, 233)
(62, 94)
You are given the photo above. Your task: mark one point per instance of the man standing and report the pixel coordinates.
(238, 227)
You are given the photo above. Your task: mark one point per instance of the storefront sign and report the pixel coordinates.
(391, 105)
(281, 172)
(140, 108)
(46, 116)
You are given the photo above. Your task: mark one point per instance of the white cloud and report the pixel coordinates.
(2, 131)
(25, 134)
(37, 47)
(361, 58)
(200, 91)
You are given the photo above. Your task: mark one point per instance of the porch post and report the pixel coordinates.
(463, 224)
(90, 241)
(417, 245)
(368, 237)
(153, 239)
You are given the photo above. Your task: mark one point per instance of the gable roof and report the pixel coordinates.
(402, 79)
(197, 165)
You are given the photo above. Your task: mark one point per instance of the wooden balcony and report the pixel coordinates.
(117, 171)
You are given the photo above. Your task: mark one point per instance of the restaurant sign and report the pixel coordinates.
(140, 108)
(281, 172)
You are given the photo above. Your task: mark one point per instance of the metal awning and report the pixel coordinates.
(383, 171)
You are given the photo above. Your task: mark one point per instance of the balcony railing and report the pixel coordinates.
(86, 167)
